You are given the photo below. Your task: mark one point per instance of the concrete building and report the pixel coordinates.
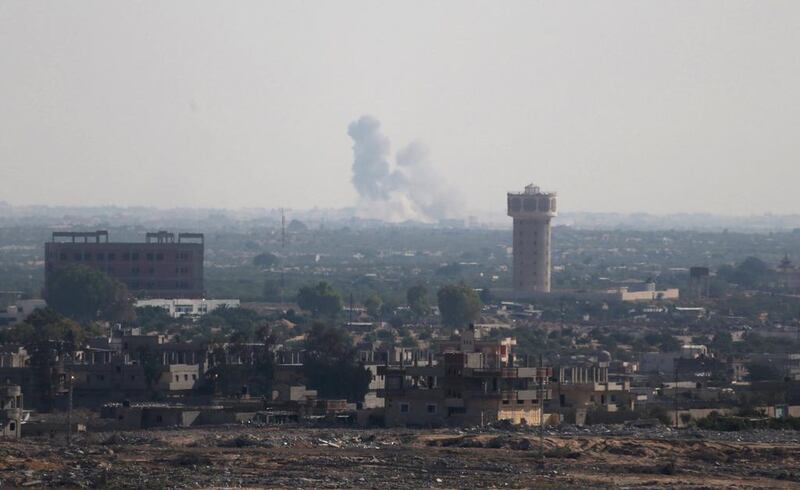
(181, 307)
(10, 411)
(14, 356)
(20, 310)
(160, 267)
(699, 282)
(585, 387)
(134, 366)
(474, 381)
(532, 211)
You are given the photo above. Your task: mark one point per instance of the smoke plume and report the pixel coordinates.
(411, 189)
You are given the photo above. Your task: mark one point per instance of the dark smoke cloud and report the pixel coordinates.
(410, 190)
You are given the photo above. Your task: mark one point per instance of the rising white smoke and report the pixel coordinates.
(411, 189)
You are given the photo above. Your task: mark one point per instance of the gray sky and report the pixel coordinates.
(619, 106)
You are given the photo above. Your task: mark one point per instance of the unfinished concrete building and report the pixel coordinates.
(581, 388)
(10, 411)
(472, 381)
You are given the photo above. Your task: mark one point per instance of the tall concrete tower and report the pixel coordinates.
(532, 211)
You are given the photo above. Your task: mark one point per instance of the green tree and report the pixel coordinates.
(265, 260)
(751, 272)
(238, 323)
(722, 343)
(373, 305)
(272, 290)
(84, 294)
(486, 296)
(50, 339)
(330, 365)
(417, 299)
(321, 300)
(154, 319)
(149, 359)
(241, 363)
(459, 305)
(763, 372)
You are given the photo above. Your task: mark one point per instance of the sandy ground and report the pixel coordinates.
(249, 457)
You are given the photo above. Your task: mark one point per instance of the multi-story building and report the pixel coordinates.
(580, 387)
(10, 411)
(472, 381)
(133, 366)
(532, 211)
(160, 267)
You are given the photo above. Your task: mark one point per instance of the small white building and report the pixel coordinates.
(188, 307)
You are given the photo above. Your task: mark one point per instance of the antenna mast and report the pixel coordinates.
(283, 252)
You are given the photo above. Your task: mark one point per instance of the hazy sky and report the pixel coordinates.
(618, 106)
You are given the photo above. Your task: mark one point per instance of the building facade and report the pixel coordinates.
(162, 266)
(180, 307)
(10, 411)
(471, 382)
(532, 211)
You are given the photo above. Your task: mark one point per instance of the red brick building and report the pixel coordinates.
(159, 267)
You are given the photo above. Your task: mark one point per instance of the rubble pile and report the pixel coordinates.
(241, 456)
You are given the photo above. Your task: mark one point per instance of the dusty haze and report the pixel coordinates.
(618, 106)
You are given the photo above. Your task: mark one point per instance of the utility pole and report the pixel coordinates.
(69, 408)
(540, 395)
(675, 393)
(350, 314)
(283, 252)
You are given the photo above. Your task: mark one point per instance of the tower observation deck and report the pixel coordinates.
(532, 211)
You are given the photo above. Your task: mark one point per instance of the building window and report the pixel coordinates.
(505, 402)
(159, 256)
(520, 402)
(135, 256)
(112, 256)
(177, 378)
(431, 408)
(404, 408)
(87, 256)
(149, 257)
(126, 256)
(101, 256)
(78, 256)
(62, 256)
(186, 377)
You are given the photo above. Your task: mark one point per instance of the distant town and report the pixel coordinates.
(267, 324)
